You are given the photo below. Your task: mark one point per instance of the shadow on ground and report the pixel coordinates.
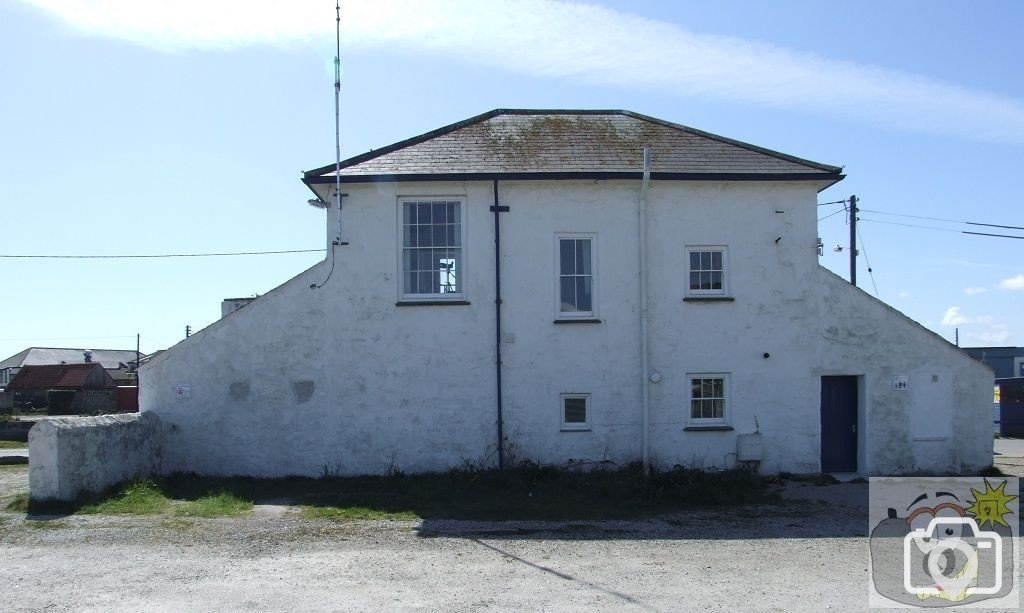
(539, 502)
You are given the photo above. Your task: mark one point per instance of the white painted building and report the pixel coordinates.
(393, 357)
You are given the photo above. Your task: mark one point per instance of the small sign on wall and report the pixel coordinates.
(182, 391)
(900, 383)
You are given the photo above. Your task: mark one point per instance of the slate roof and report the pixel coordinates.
(34, 356)
(60, 376)
(508, 143)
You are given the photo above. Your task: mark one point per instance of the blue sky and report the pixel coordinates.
(147, 128)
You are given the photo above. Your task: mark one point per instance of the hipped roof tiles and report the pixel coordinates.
(520, 142)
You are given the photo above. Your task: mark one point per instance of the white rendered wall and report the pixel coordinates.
(341, 380)
(70, 456)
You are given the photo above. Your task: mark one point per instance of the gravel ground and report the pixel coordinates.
(372, 567)
(13, 480)
(1009, 456)
(807, 553)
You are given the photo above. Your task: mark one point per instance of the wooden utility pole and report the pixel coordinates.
(853, 240)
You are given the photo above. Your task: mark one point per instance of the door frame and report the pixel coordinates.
(861, 419)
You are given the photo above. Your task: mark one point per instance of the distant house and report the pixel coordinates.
(71, 388)
(119, 363)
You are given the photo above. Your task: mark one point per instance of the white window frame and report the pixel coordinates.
(592, 313)
(727, 399)
(573, 426)
(463, 246)
(725, 271)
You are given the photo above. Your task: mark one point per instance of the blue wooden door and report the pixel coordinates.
(838, 424)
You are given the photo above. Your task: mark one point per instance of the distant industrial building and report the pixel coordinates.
(1005, 361)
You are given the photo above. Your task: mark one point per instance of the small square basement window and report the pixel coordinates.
(575, 410)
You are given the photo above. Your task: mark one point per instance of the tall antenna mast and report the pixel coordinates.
(337, 142)
(337, 113)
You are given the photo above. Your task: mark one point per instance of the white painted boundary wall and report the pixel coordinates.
(69, 456)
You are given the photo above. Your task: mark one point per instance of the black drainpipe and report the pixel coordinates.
(497, 210)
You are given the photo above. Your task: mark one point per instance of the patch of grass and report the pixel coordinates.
(13, 445)
(18, 504)
(343, 513)
(528, 491)
(221, 504)
(137, 498)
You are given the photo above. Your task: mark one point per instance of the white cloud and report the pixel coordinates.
(904, 294)
(981, 329)
(579, 42)
(997, 334)
(954, 317)
(971, 291)
(1013, 283)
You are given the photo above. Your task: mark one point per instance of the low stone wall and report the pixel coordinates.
(71, 456)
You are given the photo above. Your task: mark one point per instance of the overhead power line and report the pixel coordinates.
(842, 210)
(955, 231)
(871, 272)
(998, 235)
(910, 225)
(65, 338)
(969, 223)
(833, 202)
(160, 255)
